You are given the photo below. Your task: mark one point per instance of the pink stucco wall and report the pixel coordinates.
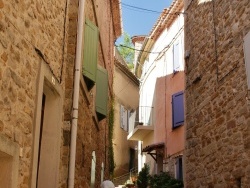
(174, 138)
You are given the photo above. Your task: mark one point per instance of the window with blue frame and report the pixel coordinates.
(178, 109)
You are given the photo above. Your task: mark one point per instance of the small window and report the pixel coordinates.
(9, 162)
(93, 169)
(178, 109)
(247, 57)
(179, 169)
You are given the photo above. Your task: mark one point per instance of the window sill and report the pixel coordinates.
(176, 127)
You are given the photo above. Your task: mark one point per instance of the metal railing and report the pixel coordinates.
(145, 115)
(132, 175)
(142, 116)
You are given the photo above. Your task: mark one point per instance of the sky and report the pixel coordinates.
(140, 22)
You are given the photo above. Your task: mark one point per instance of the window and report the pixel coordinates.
(101, 93)
(124, 118)
(102, 172)
(93, 166)
(247, 57)
(176, 57)
(178, 109)
(9, 162)
(90, 53)
(179, 169)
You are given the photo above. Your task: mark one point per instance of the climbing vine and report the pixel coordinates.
(111, 130)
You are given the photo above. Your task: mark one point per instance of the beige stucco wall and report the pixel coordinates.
(217, 106)
(126, 94)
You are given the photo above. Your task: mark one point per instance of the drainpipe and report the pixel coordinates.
(77, 75)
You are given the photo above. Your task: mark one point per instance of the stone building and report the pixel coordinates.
(56, 78)
(217, 41)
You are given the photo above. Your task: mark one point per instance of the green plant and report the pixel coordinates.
(164, 180)
(126, 49)
(143, 177)
(111, 149)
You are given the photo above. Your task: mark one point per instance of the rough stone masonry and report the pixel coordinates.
(217, 99)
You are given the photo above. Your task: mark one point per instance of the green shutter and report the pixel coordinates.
(101, 93)
(90, 52)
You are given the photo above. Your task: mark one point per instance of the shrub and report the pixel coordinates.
(143, 177)
(164, 180)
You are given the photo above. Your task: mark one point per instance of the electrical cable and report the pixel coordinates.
(123, 46)
(135, 8)
(128, 8)
(148, 10)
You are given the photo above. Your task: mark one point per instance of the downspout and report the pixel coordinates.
(77, 75)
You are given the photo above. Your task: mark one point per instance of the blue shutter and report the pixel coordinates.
(178, 109)
(176, 57)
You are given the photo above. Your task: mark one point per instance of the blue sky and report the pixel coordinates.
(140, 22)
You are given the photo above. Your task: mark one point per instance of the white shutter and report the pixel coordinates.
(125, 120)
(247, 57)
(176, 57)
(121, 116)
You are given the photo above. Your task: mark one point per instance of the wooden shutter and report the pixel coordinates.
(176, 57)
(178, 109)
(90, 53)
(247, 57)
(121, 116)
(124, 118)
(101, 93)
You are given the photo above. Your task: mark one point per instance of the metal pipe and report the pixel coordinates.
(77, 75)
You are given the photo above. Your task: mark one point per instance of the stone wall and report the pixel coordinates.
(217, 110)
(43, 33)
(92, 135)
(30, 33)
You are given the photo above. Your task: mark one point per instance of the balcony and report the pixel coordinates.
(142, 124)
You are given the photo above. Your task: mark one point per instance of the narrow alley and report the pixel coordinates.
(86, 104)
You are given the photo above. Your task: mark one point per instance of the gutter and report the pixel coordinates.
(77, 75)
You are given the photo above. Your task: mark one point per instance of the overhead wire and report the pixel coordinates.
(135, 8)
(123, 46)
(128, 8)
(139, 8)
